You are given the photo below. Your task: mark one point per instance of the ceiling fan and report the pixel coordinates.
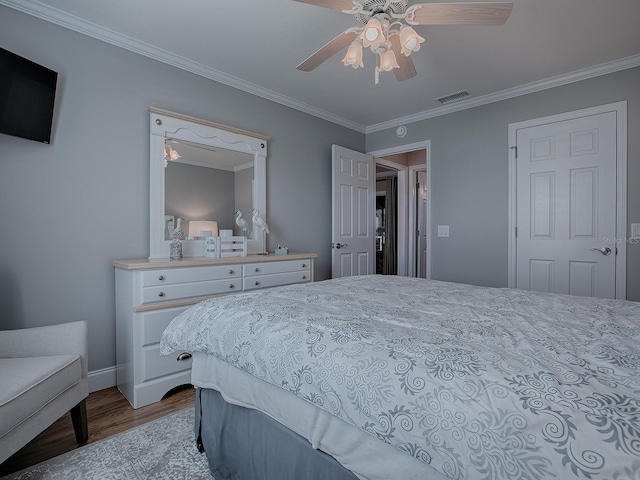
(387, 30)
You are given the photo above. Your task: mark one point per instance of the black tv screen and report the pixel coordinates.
(27, 95)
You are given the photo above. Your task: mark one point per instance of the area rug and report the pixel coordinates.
(162, 449)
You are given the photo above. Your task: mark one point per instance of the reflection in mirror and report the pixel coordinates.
(178, 144)
(207, 183)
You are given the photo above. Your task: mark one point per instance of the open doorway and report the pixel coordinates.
(412, 167)
(386, 220)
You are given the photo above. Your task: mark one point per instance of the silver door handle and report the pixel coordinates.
(339, 245)
(603, 250)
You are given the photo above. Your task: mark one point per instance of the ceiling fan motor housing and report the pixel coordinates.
(397, 7)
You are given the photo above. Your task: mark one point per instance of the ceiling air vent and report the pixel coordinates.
(453, 97)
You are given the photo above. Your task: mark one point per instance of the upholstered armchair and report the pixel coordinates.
(43, 375)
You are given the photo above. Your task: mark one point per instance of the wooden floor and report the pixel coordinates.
(108, 413)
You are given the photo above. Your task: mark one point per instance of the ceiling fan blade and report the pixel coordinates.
(326, 52)
(463, 13)
(407, 69)
(332, 4)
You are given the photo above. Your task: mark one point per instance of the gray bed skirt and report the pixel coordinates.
(245, 444)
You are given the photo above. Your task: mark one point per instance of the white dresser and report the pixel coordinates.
(150, 293)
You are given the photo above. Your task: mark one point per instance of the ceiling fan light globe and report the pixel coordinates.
(372, 35)
(353, 56)
(388, 61)
(409, 40)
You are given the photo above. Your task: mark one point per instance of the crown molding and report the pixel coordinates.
(77, 24)
(576, 76)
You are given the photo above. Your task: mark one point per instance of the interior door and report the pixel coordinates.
(353, 213)
(566, 206)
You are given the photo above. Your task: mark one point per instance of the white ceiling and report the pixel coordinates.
(257, 44)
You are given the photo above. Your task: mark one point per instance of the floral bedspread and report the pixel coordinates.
(480, 383)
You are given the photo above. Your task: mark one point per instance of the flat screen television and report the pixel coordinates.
(27, 95)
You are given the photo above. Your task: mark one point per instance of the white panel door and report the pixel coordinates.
(353, 209)
(566, 206)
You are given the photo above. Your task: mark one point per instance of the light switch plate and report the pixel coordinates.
(635, 231)
(443, 230)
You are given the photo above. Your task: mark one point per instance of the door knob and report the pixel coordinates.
(603, 250)
(339, 245)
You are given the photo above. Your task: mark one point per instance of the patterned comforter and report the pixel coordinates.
(480, 383)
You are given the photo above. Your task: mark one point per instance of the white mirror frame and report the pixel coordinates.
(166, 124)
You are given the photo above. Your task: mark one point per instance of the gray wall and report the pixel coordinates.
(469, 159)
(71, 207)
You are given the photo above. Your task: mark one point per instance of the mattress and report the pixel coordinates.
(473, 382)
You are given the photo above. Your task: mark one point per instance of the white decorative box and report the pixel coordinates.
(226, 246)
(234, 246)
(212, 247)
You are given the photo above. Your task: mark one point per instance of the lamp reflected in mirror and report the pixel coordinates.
(200, 229)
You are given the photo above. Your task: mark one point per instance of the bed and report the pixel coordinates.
(381, 377)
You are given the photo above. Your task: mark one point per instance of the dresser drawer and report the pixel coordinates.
(276, 279)
(163, 293)
(153, 323)
(166, 276)
(267, 268)
(154, 366)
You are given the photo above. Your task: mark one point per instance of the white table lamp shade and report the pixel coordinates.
(203, 228)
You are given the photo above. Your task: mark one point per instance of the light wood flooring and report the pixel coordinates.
(108, 413)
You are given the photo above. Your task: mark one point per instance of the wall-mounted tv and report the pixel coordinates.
(27, 95)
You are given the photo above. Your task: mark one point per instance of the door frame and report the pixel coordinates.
(412, 214)
(404, 237)
(620, 109)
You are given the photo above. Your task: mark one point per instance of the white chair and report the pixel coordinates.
(43, 375)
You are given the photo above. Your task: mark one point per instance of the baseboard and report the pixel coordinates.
(101, 379)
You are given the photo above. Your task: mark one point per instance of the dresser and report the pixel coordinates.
(150, 293)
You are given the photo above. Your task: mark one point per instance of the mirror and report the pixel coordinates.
(207, 184)
(215, 171)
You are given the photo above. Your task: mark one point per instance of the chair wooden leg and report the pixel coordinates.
(79, 419)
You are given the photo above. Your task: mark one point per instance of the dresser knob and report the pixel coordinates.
(257, 283)
(304, 277)
(257, 269)
(230, 272)
(304, 265)
(183, 356)
(161, 294)
(232, 286)
(161, 277)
